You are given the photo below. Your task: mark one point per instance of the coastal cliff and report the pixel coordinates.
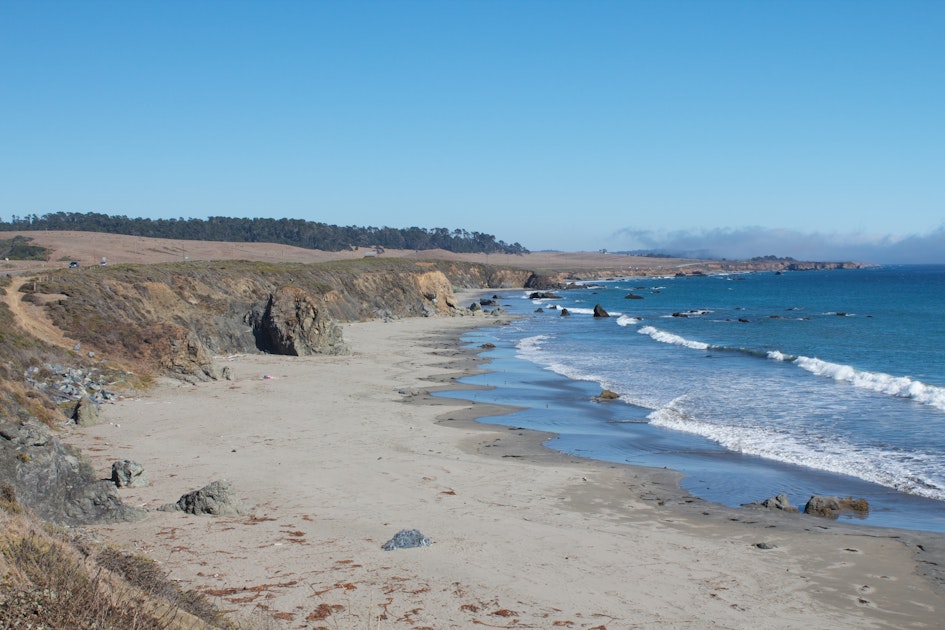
(121, 325)
(173, 318)
(74, 335)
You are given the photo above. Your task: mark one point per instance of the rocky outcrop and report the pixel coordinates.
(216, 498)
(53, 481)
(831, 507)
(779, 502)
(600, 312)
(291, 323)
(543, 282)
(178, 351)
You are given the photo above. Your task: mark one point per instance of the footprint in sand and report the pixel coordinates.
(866, 588)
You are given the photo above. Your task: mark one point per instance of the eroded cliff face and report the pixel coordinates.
(173, 318)
(293, 323)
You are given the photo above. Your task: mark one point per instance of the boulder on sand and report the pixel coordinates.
(129, 474)
(216, 498)
(86, 413)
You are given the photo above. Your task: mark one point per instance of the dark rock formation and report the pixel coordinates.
(779, 502)
(830, 507)
(633, 296)
(405, 539)
(290, 323)
(50, 479)
(608, 395)
(542, 283)
(129, 474)
(542, 295)
(216, 498)
(599, 311)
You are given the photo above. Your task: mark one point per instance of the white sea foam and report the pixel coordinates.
(899, 386)
(777, 355)
(529, 347)
(893, 470)
(626, 320)
(665, 337)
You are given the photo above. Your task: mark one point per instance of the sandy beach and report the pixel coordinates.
(335, 455)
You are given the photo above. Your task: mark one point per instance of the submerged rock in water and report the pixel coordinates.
(405, 539)
(779, 502)
(830, 507)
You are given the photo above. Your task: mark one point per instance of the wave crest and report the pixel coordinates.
(899, 386)
(670, 338)
(893, 470)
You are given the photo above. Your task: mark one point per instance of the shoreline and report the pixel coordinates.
(334, 467)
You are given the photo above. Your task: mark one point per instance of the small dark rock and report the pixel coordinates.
(406, 539)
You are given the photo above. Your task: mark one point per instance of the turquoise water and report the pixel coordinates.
(751, 385)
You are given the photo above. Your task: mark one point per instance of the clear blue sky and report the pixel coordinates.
(740, 128)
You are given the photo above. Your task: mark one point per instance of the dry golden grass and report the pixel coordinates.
(49, 578)
(88, 248)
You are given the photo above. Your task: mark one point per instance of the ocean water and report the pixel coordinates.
(752, 385)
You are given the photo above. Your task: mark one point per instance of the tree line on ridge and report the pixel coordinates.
(295, 232)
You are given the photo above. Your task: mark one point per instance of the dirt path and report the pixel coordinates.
(33, 318)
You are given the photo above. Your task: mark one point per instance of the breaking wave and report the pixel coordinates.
(898, 386)
(896, 470)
